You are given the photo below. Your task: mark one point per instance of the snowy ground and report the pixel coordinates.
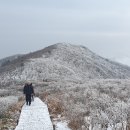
(62, 126)
(6, 102)
(35, 117)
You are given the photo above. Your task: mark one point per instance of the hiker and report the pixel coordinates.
(28, 91)
(32, 95)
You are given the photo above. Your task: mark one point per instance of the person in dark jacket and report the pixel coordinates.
(28, 90)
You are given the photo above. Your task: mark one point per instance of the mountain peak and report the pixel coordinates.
(62, 61)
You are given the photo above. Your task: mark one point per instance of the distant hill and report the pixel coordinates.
(62, 61)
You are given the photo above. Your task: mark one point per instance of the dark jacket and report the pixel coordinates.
(28, 89)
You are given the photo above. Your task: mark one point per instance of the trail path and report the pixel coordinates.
(35, 117)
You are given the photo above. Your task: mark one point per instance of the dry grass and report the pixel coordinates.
(10, 117)
(71, 101)
(21, 99)
(17, 107)
(43, 96)
(75, 124)
(55, 106)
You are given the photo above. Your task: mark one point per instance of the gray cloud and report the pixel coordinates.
(102, 26)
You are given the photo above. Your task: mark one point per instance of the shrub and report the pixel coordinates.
(20, 99)
(3, 115)
(55, 106)
(44, 95)
(75, 123)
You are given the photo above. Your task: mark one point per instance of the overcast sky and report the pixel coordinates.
(101, 25)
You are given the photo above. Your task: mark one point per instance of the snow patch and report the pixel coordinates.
(62, 126)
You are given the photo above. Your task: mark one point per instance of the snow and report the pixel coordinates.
(35, 117)
(6, 102)
(66, 61)
(62, 126)
(88, 82)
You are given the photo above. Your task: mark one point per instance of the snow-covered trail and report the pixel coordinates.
(35, 117)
